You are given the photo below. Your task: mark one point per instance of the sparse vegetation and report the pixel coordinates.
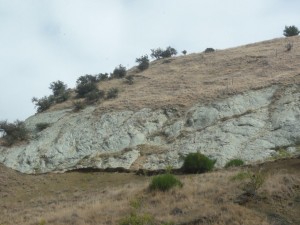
(254, 180)
(208, 198)
(94, 96)
(290, 31)
(129, 79)
(86, 84)
(143, 62)
(112, 93)
(119, 72)
(41, 126)
(208, 50)
(234, 162)
(241, 176)
(43, 103)
(14, 132)
(156, 53)
(78, 105)
(197, 163)
(135, 219)
(160, 53)
(164, 182)
(60, 92)
(102, 77)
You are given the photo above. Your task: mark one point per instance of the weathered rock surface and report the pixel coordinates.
(250, 126)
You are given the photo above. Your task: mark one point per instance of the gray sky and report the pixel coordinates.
(42, 41)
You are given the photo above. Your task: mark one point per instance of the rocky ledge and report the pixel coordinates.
(253, 126)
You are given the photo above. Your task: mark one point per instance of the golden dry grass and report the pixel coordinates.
(185, 80)
(105, 198)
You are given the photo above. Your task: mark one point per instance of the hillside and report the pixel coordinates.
(235, 103)
(204, 77)
(242, 102)
(95, 198)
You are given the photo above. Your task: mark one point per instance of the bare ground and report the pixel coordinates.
(95, 198)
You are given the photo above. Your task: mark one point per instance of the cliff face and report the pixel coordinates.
(252, 126)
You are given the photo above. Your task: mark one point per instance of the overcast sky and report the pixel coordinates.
(42, 41)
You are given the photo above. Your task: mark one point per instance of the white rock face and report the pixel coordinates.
(249, 126)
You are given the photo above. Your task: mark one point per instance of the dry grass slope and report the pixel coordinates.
(185, 80)
(105, 198)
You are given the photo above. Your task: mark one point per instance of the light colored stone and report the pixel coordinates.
(248, 126)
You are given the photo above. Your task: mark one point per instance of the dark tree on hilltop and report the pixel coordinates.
(43, 103)
(58, 87)
(143, 62)
(160, 53)
(119, 72)
(85, 84)
(290, 31)
(156, 53)
(60, 91)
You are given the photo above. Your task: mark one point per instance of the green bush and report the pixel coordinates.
(197, 163)
(184, 52)
(43, 103)
(143, 62)
(169, 52)
(160, 53)
(135, 219)
(86, 84)
(112, 93)
(208, 50)
(42, 126)
(129, 79)
(119, 72)
(290, 31)
(14, 132)
(94, 96)
(156, 53)
(164, 182)
(102, 77)
(60, 92)
(234, 162)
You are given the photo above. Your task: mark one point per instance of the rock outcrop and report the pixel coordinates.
(251, 126)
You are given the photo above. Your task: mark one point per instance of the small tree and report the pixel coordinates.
(290, 31)
(102, 76)
(208, 50)
(184, 52)
(43, 103)
(119, 72)
(14, 132)
(143, 62)
(85, 84)
(159, 53)
(169, 52)
(60, 92)
(58, 87)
